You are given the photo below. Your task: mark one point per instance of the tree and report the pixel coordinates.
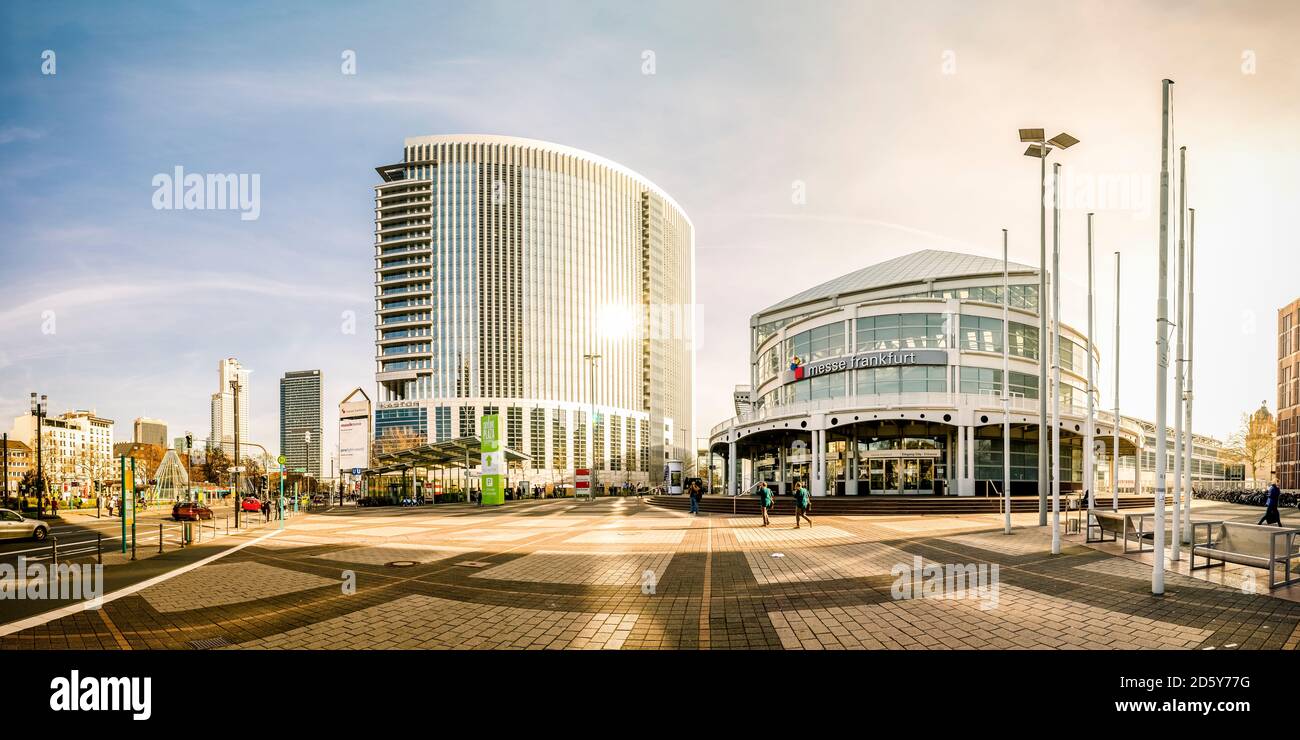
(1255, 443)
(214, 464)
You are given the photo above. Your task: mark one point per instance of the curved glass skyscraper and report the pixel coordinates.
(534, 281)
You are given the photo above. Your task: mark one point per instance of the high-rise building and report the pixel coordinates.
(222, 430)
(150, 432)
(1288, 396)
(502, 266)
(300, 421)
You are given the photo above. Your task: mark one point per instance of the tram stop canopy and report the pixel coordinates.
(464, 452)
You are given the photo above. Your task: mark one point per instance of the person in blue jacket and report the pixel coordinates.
(1271, 514)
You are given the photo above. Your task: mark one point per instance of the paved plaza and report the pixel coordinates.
(623, 574)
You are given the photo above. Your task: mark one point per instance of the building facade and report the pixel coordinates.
(301, 426)
(20, 458)
(221, 432)
(76, 450)
(889, 380)
(1288, 397)
(541, 283)
(150, 431)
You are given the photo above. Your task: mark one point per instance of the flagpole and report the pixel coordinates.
(1162, 355)
(1006, 383)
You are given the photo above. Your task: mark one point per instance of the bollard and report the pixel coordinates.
(99, 549)
(54, 552)
(160, 536)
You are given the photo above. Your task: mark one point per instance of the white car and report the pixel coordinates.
(14, 526)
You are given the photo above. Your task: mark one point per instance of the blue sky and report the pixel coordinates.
(852, 99)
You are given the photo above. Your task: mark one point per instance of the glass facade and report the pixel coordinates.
(477, 242)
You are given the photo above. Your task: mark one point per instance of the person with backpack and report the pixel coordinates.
(802, 503)
(765, 501)
(1271, 514)
(696, 495)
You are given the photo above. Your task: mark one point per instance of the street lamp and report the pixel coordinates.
(1040, 149)
(591, 359)
(39, 410)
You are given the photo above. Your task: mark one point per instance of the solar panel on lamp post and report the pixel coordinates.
(1038, 148)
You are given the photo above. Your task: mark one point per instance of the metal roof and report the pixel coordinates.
(917, 267)
(463, 452)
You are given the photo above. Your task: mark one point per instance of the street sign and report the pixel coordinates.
(235, 469)
(492, 481)
(280, 459)
(582, 482)
(356, 472)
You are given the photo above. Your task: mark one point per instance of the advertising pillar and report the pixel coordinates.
(492, 481)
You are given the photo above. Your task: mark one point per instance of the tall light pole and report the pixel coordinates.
(1089, 438)
(1187, 405)
(1038, 147)
(591, 359)
(1179, 327)
(1056, 358)
(1006, 382)
(1162, 353)
(1114, 476)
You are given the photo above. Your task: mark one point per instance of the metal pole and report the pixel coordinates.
(282, 495)
(1179, 442)
(1162, 354)
(1056, 359)
(5, 450)
(234, 475)
(133, 511)
(1042, 339)
(1187, 405)
(1006, 382)
(1114, 478)
(1089, 437)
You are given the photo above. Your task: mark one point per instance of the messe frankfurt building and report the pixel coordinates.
(888, 380)
(543, 284)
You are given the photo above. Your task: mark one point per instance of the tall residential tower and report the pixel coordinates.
(502, 266)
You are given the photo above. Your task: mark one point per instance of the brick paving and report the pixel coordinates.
(621, 574)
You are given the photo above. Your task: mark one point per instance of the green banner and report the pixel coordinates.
(492, 481)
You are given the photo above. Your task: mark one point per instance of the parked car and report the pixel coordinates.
(16, 526)
(251, 504)
(190, 510)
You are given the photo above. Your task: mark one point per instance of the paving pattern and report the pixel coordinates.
(622, 574)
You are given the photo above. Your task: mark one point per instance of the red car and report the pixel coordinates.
(251, 504)
(190, 510)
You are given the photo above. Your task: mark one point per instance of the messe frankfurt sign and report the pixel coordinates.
(884, 358)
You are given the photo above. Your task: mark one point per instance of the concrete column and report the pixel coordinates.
(782, 462)
(959, 465)
(819, 463)
(970, 462)
(732, 464)
(851, 465)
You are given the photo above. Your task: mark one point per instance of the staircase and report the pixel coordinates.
(885, 505)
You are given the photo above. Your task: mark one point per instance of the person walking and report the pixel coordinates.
(695, 498)
(1271, 514)
(802, 502)
(765, 502)
(266, 511)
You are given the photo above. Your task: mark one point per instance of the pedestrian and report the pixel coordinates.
(695, 498)
(1271, 514)
(765, 501)
(54, 506)
(266, 511)
(802, 503)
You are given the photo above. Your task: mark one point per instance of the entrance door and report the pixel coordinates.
(876, 469)
(911, 476)
(893, 476)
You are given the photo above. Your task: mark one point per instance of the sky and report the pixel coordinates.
(896, 121)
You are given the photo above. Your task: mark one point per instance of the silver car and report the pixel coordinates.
(14, 526)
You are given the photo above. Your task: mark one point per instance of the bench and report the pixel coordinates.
(1125, 527)
(1253, 545)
